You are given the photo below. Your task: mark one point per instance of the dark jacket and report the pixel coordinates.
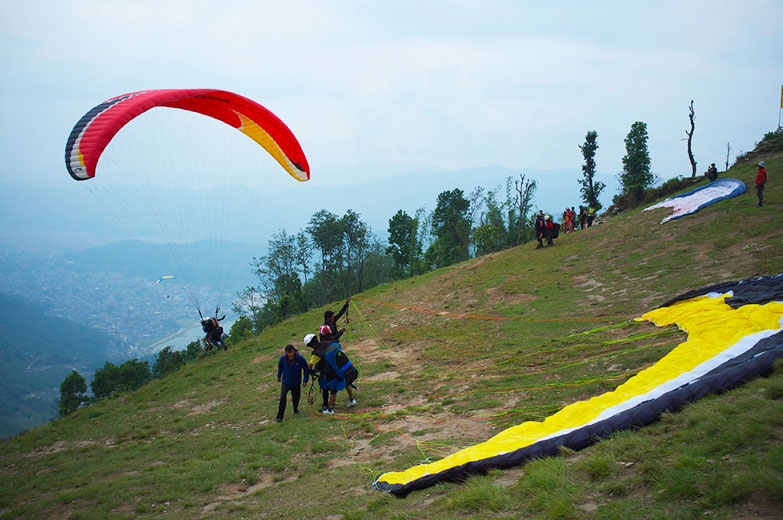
(292, 372)
(334, 337)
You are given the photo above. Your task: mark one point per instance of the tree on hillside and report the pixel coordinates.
(356, 235)
(491, 233)
(451, 227)
(525, 189)
(280, 262)
(591, 189)
(73, 392)
(401, 232)
(636, 175)
(692, 117)
(304, 253)
(326, 232)
(124, 378)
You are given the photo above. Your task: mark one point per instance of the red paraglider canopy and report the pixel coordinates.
(98, 127)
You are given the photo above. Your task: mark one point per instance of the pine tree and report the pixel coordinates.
(636, 175)
(591, 189)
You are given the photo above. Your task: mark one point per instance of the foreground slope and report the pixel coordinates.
(202, 443)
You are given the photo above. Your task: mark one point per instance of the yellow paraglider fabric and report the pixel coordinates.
(713, 327)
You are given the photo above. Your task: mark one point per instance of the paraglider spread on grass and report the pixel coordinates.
(735, 333)
(694, 200)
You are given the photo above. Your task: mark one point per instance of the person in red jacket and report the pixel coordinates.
(761, 180)
(549, 230)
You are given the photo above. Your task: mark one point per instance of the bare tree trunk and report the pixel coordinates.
(690, 139)
(728, 151)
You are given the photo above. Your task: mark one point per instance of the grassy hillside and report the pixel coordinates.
(202, 443)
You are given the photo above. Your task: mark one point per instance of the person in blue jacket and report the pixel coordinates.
(289, 373)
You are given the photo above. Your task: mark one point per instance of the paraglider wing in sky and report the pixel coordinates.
(694, 200)
(167, 277)
(98, 127)
(735, 333)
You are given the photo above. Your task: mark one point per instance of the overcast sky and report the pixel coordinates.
(373, 89)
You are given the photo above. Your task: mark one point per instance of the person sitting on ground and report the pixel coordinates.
(214, 337)
(289, 374)
(712, 172)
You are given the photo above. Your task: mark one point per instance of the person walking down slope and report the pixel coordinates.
(761, 180)
(289, 374)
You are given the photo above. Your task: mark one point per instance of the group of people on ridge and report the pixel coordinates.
(328, 363)
(546, 228)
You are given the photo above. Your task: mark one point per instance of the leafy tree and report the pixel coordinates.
(356, 236)
(250, 301)
(72, 393)
(591, 189)
(167, 361)
(636, 175)
(133, 374)
(326, 232)
(490, 235)
(402, 229)
(104, 383)
(280, 263)
(124, 378)
(451, 227)
(304, 253)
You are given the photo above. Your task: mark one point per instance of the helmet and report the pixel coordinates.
(324, 330)
(308, 339)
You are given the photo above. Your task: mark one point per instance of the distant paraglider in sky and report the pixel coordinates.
(167, 277)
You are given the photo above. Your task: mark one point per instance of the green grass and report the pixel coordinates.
(202, 443)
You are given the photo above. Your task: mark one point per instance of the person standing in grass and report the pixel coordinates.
(761, 180)
(289, 375)
(539, 228)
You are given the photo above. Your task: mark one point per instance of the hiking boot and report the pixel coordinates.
(351, 403)
(278, 419)
(296, 411)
